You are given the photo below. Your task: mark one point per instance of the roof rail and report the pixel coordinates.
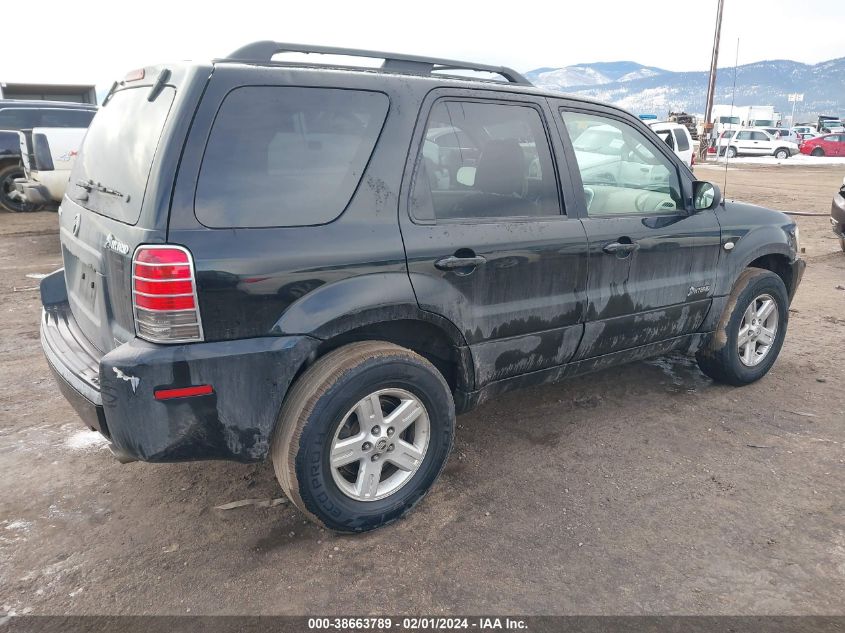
(263, 51)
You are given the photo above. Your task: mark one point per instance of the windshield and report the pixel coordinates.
(118, 152)
(729, 119)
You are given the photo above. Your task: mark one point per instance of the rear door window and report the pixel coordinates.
(286, 156)
(484, 160)
(118, 152)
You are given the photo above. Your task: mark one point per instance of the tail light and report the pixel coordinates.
(692, 159)
(164, 295)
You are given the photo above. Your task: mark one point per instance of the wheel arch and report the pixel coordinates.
(429, 337)
(779, 264)
(380, 306)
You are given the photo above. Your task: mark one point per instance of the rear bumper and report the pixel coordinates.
(114, 392)
(74, 366)
(34, 192)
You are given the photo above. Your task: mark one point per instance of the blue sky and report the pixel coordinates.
(96, 41)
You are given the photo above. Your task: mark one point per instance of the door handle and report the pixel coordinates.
(619, 247)
(452, 262)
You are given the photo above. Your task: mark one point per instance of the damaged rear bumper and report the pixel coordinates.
(114, 393)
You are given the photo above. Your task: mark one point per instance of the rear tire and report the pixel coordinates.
(726, 359)
(731, 152)
(781, 154)
(332, 449)
(8, 196)
(818, 152)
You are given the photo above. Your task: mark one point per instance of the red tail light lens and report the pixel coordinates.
(164, 295)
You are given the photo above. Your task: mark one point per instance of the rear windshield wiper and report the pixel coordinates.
(89, 185)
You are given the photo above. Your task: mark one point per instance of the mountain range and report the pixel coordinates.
(648, 89)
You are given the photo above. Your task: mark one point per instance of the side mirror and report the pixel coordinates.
(705, 195)
(466, 176)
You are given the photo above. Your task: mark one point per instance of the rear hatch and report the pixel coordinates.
(114, 199)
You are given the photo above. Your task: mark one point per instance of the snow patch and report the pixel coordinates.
(19, 525)
(799, 160)
(86, 441)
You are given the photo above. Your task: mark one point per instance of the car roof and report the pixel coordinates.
(31, 103)
(667, 125)
(399, 65)
(436, 80)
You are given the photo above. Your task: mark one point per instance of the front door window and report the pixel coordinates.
(622, 171)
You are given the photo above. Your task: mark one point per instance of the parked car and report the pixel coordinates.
(783, 134)
(829, 125)
(755, 142)
(24, 115)
(678, 138)
(286, 267)
(837, 215)
(48, 155)
(804, 129)
(827, 145)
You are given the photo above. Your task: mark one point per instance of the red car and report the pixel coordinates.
(827, 145)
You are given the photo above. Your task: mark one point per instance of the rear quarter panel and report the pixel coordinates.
(299, 280)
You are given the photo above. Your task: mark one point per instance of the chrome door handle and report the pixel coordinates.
(452, 262)
(619, 247)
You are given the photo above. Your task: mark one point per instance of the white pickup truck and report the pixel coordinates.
(48, 155)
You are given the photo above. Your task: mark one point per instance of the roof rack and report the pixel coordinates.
(263, 51)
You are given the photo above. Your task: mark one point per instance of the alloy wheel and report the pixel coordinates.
(379, 444)
(757, 330)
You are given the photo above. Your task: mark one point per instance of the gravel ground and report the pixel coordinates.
(639, 490)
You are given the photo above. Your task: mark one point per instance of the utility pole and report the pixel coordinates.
(711, 85)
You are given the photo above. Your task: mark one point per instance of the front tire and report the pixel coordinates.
(363, 435)
(750, 333)
(781, 154)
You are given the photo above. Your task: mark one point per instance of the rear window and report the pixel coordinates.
(67, 118)
(118, 152)
(683, 140)
(28, 118)
(286, 156)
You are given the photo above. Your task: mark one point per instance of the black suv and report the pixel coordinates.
(24, 115)
(323, 265)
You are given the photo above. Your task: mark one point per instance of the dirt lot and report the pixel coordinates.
(644, 489)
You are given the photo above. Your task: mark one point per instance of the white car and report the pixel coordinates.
(755, 142)
(677, 137)
(48, 155)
